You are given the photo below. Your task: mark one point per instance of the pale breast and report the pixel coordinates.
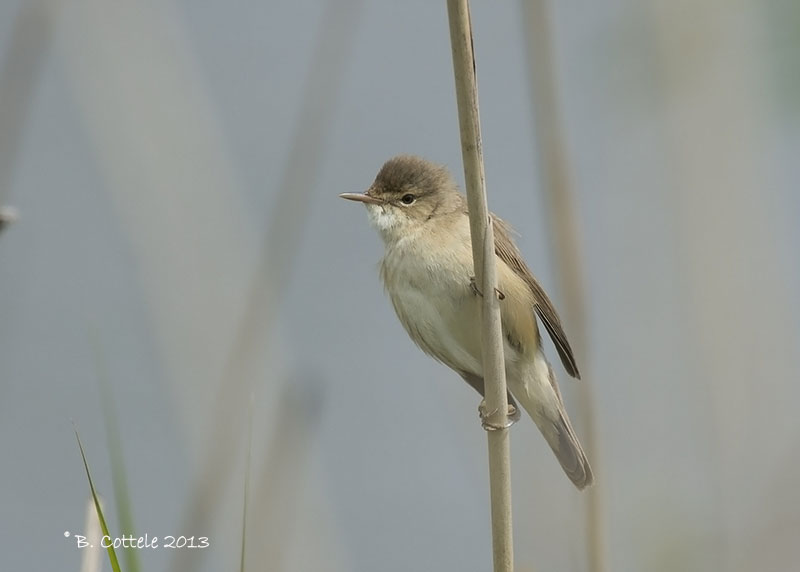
(433, 300)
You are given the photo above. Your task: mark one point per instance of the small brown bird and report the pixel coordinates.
(427, 270)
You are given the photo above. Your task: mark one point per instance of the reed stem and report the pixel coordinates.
(482, 236)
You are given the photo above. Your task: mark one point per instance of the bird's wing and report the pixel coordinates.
(509, 253)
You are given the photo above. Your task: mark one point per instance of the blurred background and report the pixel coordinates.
(181, 250)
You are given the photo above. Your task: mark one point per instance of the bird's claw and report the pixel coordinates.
(512, 417)
(473, 284)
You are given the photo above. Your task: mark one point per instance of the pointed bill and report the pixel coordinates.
(362, 198)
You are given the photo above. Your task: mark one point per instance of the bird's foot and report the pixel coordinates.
(473, 285)
(512, 417)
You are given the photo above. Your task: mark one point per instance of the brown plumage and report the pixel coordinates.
(505, 248)
(426, 269)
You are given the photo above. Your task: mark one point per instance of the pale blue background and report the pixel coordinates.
(684, 205)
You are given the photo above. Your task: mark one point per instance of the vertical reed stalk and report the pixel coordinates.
(565, 242)
(246, 501)
(20, 70)
(284, 233)
(482, 236)
(277, 494)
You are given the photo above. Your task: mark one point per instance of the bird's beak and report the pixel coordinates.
(362, 198)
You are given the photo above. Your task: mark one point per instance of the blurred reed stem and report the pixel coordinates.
(246, 492)
(277, 493)
(19, 73)
(119, 478)
(717, 105)
(564, 235)
(482, 236)
(179, 203)
(279, 250)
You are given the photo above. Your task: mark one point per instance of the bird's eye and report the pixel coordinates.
(408, 198)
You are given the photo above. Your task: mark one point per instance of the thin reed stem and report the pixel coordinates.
(565, 244)
(277, 255)
(482, 236)
(20, 71)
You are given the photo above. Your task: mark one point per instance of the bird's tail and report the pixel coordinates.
(541, 398)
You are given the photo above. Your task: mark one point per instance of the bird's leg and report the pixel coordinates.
(513, 417)
(473, 285)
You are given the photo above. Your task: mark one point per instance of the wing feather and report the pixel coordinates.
(510, 254)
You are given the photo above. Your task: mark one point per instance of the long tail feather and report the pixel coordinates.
(541, 398)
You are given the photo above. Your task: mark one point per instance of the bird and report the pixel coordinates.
(427, 270)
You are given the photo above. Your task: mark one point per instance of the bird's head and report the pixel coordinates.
(408, 193)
